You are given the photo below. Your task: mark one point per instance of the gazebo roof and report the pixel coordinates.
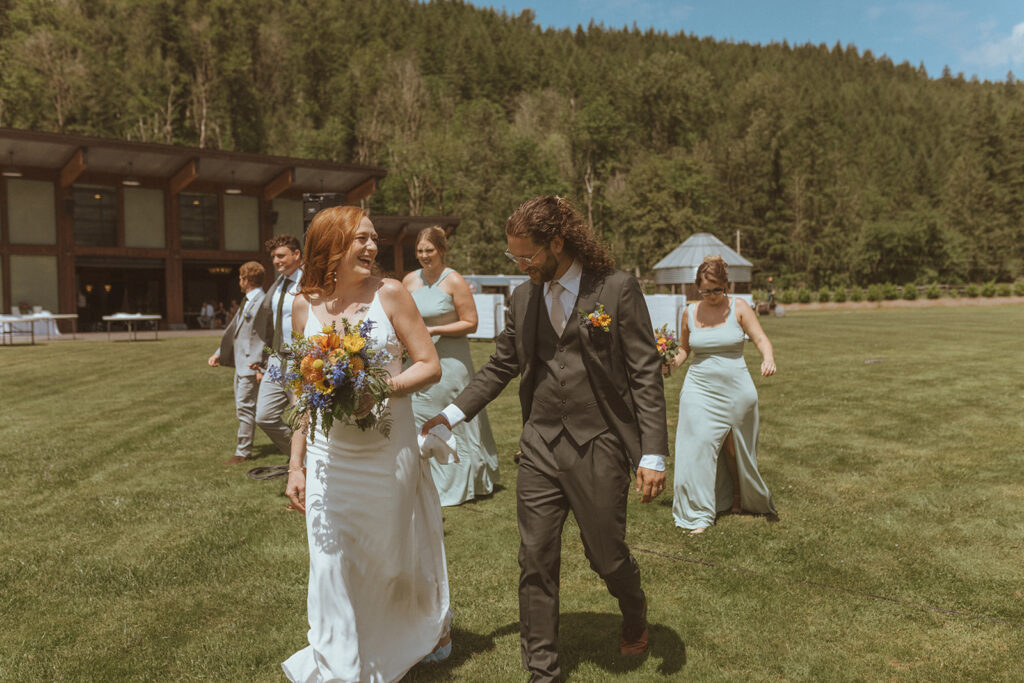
(691, 253)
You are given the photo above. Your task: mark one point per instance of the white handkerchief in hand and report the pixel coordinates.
(439, 444)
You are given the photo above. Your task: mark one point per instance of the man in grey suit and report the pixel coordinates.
(593, 407)
(241, 347)
(274, 323)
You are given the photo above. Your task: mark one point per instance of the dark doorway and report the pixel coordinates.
(109, 285)
(210, 282)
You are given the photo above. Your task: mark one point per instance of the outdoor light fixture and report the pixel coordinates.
(10, 171)
(106, 288)
(130, 180)
(88, 288)
(97, 196)
(232, 188)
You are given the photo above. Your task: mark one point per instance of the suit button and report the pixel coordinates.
(562, 365)
(562, 349)
(563, 382)
(563, 401)
(565, 417)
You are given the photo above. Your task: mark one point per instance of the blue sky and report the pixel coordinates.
(983, 38)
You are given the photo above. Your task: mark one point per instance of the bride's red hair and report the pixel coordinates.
(329, 236)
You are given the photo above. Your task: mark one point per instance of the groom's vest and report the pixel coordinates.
(562, 395)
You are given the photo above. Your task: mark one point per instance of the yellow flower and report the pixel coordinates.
(353, 343)
(318, 364)
(328, 329)
(323, 387)
(355, 364)
(604, 320)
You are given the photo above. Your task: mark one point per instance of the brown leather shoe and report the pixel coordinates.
(634, 637)
(235, 459)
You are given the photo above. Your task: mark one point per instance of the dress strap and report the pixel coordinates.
(446, 273)
(422, 279)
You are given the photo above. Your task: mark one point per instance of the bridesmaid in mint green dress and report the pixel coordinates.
(446, 304)
(718, 416)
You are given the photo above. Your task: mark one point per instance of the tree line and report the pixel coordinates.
(837, 167)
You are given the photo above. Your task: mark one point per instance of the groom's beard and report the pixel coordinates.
(545, 272)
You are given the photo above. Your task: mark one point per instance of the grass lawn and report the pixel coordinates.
(128, 552)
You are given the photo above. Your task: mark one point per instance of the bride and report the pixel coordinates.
(378, 585)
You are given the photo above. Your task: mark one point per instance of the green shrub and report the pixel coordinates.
(760, 295)
(988, 289)
(972, 290)
(890, 291)
(1004, 289)
(803, 295)
(840, 295)
(909, 292)
(856, 293)
(874, 292)
(787, 296)
(933, 291)
(824, 295)
(1018, 287)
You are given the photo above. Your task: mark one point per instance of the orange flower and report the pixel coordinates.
(356, 364)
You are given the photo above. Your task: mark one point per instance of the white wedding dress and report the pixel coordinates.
(378, 582)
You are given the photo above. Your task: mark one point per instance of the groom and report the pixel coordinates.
(593, 410)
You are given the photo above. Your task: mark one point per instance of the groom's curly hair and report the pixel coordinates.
(329, 236)
(544, 218)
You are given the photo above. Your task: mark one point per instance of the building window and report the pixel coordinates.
(199, 216)
(95, 216)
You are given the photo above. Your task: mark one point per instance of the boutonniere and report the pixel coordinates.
(248, 317)
(598, 320)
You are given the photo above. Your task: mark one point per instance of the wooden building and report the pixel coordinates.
(95, 226)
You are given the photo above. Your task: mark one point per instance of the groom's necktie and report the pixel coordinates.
(278, 323)
(557, 310)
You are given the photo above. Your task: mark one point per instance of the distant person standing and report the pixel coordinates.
(274, 323)
(241, 347)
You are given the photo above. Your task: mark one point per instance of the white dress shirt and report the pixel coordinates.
(570, 282)
(286, 310)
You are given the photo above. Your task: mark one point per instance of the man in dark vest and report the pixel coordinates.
(593, 403)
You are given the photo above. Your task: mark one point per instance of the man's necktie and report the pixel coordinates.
(276, 342)
(557, 311)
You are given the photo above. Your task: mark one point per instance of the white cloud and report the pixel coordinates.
(1007, 51)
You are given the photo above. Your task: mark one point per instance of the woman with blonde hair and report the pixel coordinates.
(378, 599)
(446, 303)
(718, 407)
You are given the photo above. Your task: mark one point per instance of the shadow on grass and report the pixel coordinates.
(593, 637)
(465, 645)
(583, 637)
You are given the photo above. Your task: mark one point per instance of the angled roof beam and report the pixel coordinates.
(74, 167)
(361, 191)
(184, 176)
(278, 185)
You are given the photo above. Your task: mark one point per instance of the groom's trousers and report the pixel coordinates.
(593, 481)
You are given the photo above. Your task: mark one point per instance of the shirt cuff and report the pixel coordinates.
(454, 415)
(653, 462)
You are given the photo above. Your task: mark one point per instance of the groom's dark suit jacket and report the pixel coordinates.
(622, 365)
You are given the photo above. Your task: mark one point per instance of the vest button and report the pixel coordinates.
(563, 401)
(561, 365)
(563, 382)
(562, 349)
(565, 417)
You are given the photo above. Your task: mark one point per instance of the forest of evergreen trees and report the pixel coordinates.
(837, 167)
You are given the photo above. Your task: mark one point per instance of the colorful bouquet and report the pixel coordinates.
(668, 346)
(331, 375)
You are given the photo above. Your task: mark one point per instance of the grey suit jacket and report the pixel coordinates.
(623, 365)
(242, 342)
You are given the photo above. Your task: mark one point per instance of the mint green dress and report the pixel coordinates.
(476, 473)
(718, 396)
